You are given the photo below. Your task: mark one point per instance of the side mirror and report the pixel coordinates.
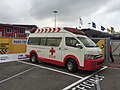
(79, 46)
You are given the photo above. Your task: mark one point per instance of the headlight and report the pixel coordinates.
(88, 56)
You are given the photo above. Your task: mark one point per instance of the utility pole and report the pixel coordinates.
(55, 12)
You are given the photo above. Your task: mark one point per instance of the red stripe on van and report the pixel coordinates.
(55, 62)
(42, 30)
(38, 30)
(54, 29)
(58, 30)
(49, 30)
(46, 30)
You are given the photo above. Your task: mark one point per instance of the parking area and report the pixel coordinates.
(23, 75)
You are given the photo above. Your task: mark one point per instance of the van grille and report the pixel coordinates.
(97, 56)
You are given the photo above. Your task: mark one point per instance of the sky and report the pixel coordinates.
(40, 13)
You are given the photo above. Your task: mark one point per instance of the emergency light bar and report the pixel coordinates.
(47, 30)
(56, 30)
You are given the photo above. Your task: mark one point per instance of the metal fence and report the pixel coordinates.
(116, 47)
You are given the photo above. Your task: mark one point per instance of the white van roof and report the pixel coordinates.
(58, 29)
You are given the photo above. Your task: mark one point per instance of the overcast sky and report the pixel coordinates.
(40, 12)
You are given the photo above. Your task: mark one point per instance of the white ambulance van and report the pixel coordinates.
(67, 47)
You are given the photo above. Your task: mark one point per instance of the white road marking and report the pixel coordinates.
(85, 86)
(70, 86)
(52, 69)
(16, 75)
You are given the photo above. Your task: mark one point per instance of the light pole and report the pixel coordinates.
(55, 12)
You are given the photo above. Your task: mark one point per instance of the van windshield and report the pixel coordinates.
(87, 42)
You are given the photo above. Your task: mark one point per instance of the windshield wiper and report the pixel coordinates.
(91, 46)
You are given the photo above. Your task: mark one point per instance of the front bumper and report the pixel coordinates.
(91, 65)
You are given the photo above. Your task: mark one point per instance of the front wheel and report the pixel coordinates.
(71, 65)
(33, 58)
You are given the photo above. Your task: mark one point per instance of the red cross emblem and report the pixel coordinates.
(52, 51)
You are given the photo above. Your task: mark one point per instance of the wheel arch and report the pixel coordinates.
(33, 52)
(68, 57)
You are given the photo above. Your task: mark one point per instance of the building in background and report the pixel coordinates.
(13, 38)
(30, 28)
(15, 30)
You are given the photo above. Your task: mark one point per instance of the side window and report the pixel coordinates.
(53, 41)
(42, 41)
(70, 41)
(34, 41)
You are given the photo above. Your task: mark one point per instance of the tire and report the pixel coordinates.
(33, 58)
(71, 66)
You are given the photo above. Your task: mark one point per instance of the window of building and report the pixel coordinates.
(21, 31)
(9, 30)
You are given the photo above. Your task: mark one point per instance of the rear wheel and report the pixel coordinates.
(33, 58)
(71, 65)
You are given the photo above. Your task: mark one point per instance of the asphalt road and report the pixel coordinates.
(19, 76)
(26, 76)
(23, 75)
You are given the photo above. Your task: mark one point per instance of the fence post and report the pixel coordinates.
(107, 49)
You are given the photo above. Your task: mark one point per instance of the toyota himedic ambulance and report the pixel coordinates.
(67, 47)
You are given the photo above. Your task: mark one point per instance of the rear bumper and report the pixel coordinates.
(91, 65)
